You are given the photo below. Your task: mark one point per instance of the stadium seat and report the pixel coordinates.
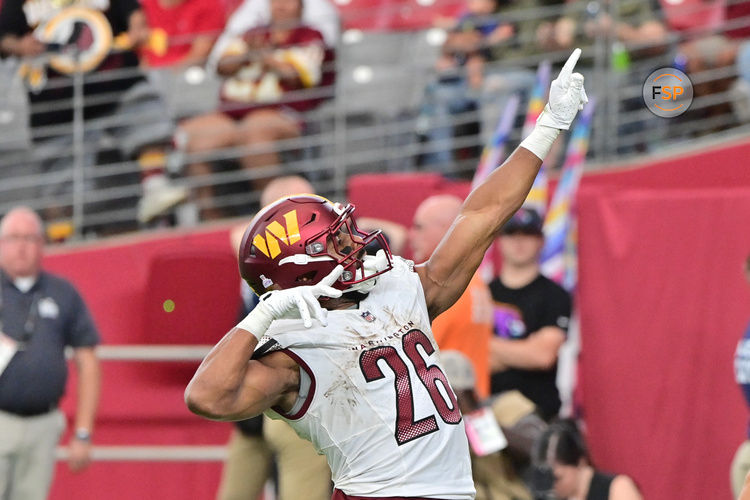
(386, 48)
(188, 92)
(376, 89)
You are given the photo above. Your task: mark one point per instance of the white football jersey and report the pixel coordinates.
(377, 402)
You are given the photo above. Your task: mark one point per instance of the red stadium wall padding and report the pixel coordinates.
(125, 284)
(395, 197)
(131, 480)
(663, 303)
(113, 277)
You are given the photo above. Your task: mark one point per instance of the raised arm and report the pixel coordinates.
(448, 271)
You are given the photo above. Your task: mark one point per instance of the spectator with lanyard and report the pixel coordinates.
(40, 314)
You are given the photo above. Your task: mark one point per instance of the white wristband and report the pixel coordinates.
(257, 322)
(540, 140)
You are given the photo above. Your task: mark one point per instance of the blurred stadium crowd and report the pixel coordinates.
(116, 116)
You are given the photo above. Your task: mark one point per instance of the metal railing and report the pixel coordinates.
(152, 453)
(372, 120)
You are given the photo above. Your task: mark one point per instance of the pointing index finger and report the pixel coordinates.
(570, 64)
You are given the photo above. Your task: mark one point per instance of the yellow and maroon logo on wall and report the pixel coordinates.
(87, 29)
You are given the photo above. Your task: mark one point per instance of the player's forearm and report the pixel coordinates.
(503, 192)
(448, 271)
(89, 382)
(216, 384)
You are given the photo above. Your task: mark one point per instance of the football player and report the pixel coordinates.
(340, 344)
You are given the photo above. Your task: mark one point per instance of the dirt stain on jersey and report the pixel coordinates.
(341, 393)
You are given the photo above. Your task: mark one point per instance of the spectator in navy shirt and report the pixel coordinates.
(40, 314)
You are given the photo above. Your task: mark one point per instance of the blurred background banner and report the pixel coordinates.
(538, 197)
(559, 252)
(661, 253)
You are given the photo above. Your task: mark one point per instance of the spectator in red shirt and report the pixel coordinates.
(182, 31)
(265, 71)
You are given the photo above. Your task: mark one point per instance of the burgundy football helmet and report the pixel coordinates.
(298, 240)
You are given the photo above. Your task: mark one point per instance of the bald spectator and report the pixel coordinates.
(467, 325)
(284, 186)
(40, 314)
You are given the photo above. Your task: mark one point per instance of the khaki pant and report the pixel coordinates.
(494, 479)
(246, 469)
(27, 454)
(302, 472)
(740, 468)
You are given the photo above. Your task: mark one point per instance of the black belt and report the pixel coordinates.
(25, 412)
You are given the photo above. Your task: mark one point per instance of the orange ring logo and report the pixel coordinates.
(667, 92)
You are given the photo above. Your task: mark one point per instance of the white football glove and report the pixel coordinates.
(566, 96)
(372, 264)
(292, 303)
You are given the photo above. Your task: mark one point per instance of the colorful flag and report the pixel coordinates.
(538, 97)
(493, 153)
(537, 198)
(559, 253)
(492, 156)
(570, 278)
